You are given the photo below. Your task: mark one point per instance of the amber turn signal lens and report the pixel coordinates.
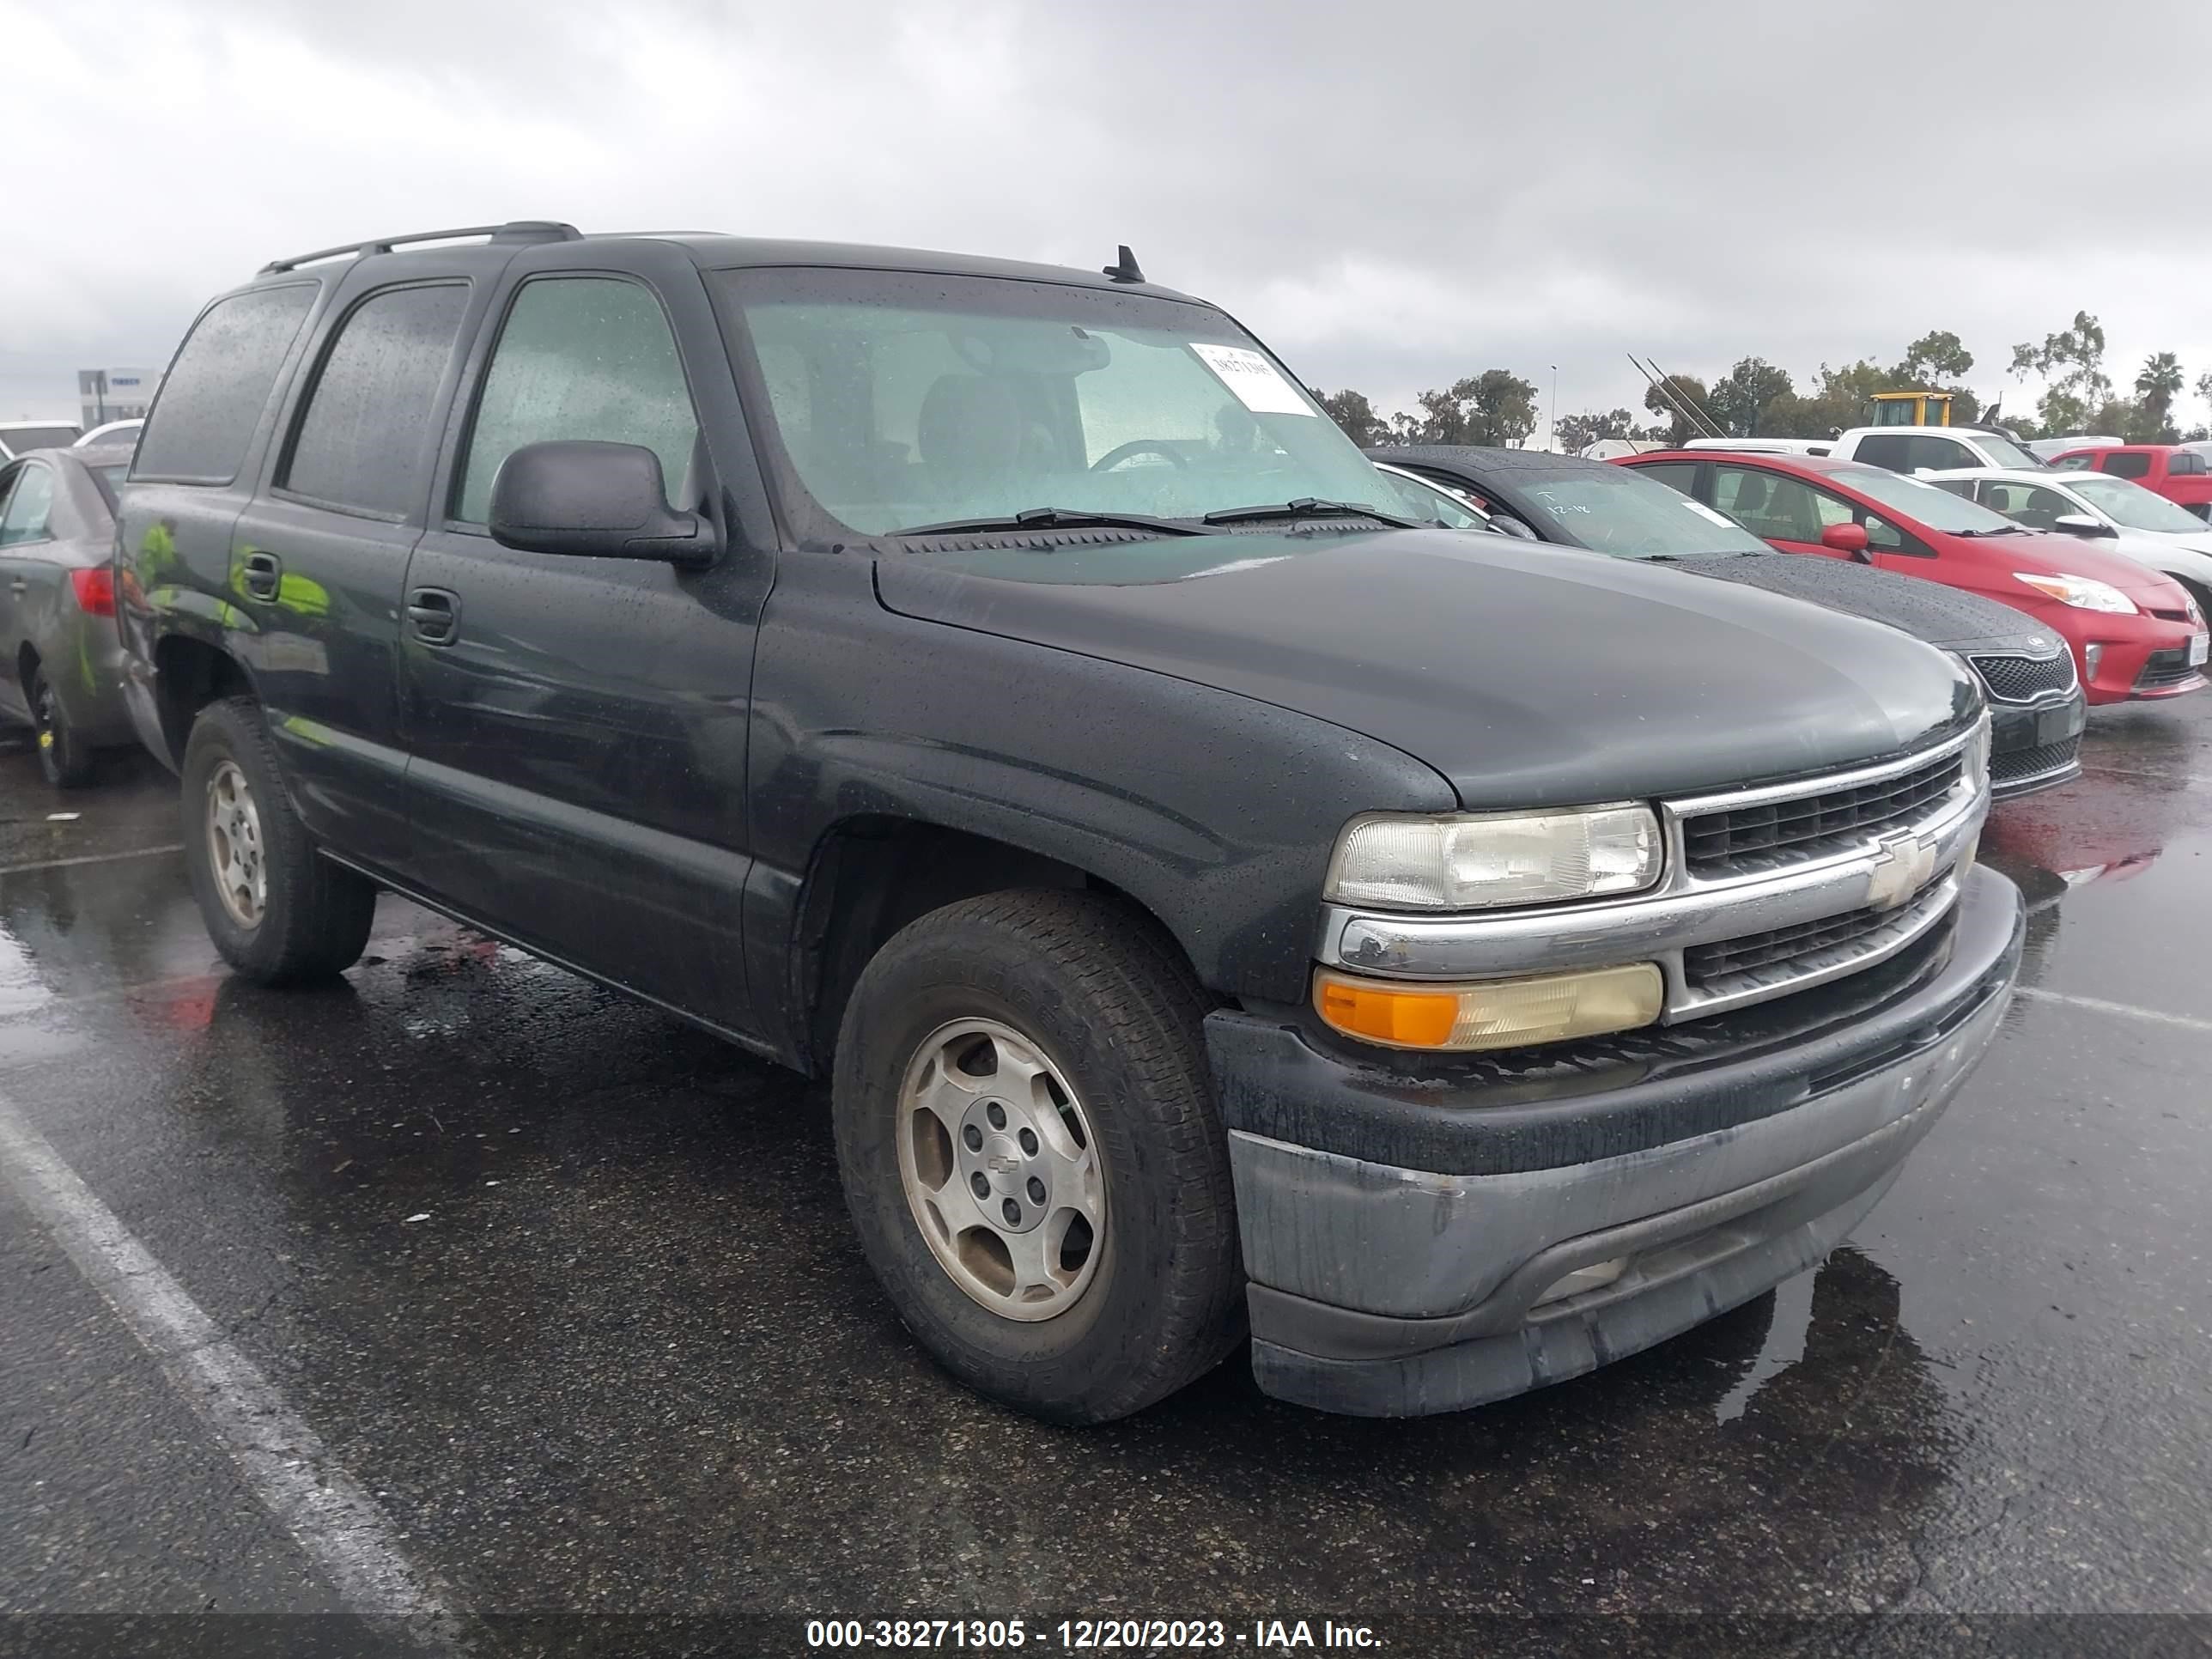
(1494, 1013)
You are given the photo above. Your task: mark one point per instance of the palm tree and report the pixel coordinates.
(2159, 384)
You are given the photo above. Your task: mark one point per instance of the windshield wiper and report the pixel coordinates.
(1307, 507)
(2009, 529)
(1058, 517)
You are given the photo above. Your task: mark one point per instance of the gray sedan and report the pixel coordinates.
(61, 658)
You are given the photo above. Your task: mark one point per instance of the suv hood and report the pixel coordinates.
(1948, 617)
(1528, 675)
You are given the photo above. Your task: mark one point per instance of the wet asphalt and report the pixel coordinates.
(627, 1387)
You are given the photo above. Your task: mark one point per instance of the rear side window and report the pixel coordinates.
(1885, 449)
(29, 504)
(219, 384)
(365, 440)
(2075, 463)
(588, 357)
(2184, 462)
(2122, 464)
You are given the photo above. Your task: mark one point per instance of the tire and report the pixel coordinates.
(66, 760)
(1154, 1297)
(312, 916)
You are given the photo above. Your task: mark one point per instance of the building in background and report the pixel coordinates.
(115, 394)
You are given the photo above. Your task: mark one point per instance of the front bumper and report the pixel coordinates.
(1402, 1232)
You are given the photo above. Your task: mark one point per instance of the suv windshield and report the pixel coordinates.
(902, 399)
(2128, 504)
(1611, 510)
(1933, 506)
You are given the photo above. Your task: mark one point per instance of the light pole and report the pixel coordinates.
(1551, 421)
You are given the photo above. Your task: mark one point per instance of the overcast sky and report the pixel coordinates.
(1391, 197)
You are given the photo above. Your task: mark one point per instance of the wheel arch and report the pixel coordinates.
(873, 873)
(189, 674)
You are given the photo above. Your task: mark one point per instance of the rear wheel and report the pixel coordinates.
(63, 756)
(278, 911)
(1031, 1155)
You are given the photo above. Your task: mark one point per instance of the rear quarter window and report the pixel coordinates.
(219, 384)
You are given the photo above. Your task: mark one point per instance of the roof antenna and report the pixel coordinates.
(1125, 269)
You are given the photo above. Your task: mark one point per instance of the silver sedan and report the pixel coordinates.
(60, 657)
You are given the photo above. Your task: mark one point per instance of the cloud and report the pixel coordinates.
(1393, 198)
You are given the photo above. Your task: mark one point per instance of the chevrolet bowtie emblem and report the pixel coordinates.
(1902, 867)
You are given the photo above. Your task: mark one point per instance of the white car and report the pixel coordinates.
(1914, 450)
(2119, 513)
(115, 432)
(19, 438)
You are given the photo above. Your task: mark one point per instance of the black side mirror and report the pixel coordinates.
(598, 500)
(2081, 524)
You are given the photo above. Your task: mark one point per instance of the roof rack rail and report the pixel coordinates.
(514, 231)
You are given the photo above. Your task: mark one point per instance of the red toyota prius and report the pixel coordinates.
(2134, 632)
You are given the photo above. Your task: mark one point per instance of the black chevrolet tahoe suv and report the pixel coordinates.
(1219, 908)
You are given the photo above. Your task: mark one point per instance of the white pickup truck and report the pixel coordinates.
(1913, 449)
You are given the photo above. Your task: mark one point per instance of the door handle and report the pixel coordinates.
(264, 575)
(436, 614)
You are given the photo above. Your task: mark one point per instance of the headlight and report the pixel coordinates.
(1475, 863)
(2082, 592)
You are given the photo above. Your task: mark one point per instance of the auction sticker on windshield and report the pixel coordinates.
(1704, 511)
(1258, 384)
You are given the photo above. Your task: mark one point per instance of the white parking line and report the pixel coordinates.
(324, 1509)
(2098, 1004)
(91, 858)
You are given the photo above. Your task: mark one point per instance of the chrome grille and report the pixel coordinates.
(1702, 964)
(2025, 679)
(1756, 966)
(1804, 826)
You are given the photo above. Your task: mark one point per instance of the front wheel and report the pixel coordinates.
(1030, 1152)
(64, 758)
(278, 911)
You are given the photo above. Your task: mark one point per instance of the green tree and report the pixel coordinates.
(2072, 360)
(1929, 360)
(1688, 388)
(1579, 432)
(1496, 408)
(1741, 398)
(1350, 410)
(2158, 384)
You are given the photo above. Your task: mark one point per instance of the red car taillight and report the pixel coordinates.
(95, 591)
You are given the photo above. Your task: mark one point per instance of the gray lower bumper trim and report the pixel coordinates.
(1671, 1245)
(1552, 1350)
